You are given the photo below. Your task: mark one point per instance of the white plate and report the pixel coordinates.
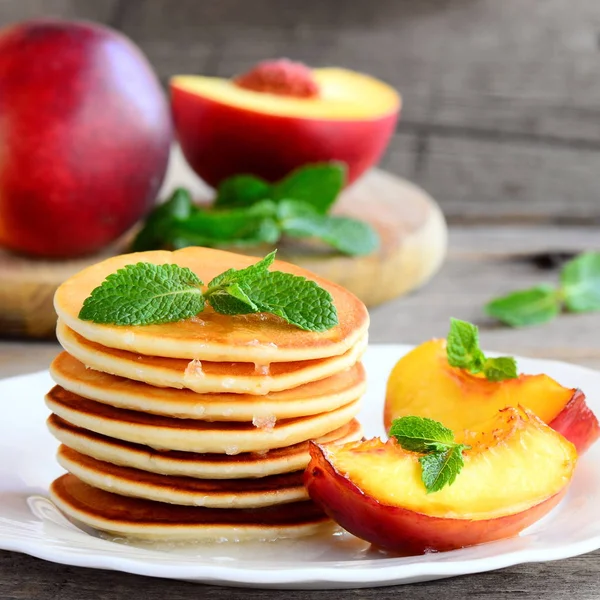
(29, 522)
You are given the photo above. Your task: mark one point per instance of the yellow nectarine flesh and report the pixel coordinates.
(515, 472)
(342, 95)
(423, 384)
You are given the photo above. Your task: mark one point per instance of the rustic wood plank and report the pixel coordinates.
(19, 10)
(26, 578)
(524, 242)
(483, 181)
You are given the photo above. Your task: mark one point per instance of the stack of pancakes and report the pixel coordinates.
(199, 429)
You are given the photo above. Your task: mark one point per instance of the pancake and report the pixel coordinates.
(309, 399)
(192, 435)
(189, 491)
(190, 464)
(146, 519)
(207, 377)
(258, 338)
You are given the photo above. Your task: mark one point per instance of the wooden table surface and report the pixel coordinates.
(501, 124)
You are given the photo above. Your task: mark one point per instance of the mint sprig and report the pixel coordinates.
(463, 352)
(149, 294)
(442, 458)
(579, 291)
(249, 211)
(144, 293)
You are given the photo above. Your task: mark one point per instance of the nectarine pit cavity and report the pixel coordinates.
(282, 77)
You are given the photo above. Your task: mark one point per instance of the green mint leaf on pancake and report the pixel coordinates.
(419, 434)
(144, 294)
(532, 306)
(580, 280)
(463, 352)
(347, 235)
(295, 299)
(442, 457)
(149, 294)
(235, 275)
(318, 185)
(256, 289)
(242, 190)
(441, 468)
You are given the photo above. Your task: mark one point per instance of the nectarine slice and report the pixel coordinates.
(423, 384)
(516, 471)
(225, 128)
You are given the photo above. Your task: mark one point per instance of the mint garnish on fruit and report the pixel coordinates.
(149, 294)
(463, 352)
(442, 458)
(249, 211)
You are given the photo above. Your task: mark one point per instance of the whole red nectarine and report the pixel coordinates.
(85, 132)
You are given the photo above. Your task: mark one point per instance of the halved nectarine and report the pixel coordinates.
(423, 384)
(515, 472)
(280, 117)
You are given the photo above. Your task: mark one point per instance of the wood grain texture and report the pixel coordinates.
(26, 578)
(103, 11)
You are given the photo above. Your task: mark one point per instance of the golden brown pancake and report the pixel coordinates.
(191, 464)
(258, 338)
(190, 491)
(204, 377)
(192, 435)
(146, 519)
(309, 399)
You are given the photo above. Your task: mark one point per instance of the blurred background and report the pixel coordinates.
(501, 117)
(500, 124)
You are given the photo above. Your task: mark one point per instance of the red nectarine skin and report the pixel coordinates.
(400, 530)
(577, 423)
(219, 140)
(84, 137)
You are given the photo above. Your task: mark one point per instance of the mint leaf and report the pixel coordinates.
(158, 226)
(318, 185)
(463, 352)
(526, 307)
(580, 279)
(419, 434)
(442, 460)
(227, 225)
(441, 468)
(462, 347)
(350, 236)
(500, 368)
(242, 190)
(232, 301)
(299, 301)
(236, 275)
(144, 294)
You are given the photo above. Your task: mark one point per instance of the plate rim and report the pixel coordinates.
(309, 575)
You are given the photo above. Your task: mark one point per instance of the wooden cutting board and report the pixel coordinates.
(410, 224)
